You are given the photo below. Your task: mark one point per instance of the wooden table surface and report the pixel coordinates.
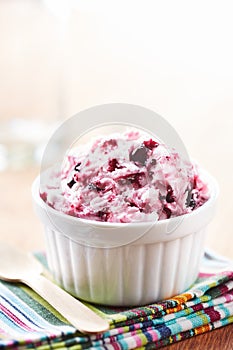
(20, 227)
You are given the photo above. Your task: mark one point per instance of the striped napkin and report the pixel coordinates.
(29, 322)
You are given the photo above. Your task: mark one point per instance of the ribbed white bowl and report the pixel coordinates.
(125, 264)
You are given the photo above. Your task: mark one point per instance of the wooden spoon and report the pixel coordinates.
(16, 266)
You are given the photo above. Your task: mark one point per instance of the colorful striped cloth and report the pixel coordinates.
(29, 322)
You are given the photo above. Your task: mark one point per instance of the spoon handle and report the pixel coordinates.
(78, 314)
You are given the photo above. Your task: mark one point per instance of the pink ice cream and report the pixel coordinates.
(127, 177)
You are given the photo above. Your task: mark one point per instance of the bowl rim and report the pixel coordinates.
(213, 189)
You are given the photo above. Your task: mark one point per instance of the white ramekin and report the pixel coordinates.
(125, 264)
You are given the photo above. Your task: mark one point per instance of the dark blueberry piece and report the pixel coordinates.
(44, 196)
(135, 179)
(153, 161)
(113, 164)
(195, 181)
(76, 168)
(71, 183)
(190, 201)
(151, 144)
(132, 204)
(103, 215)
(167, 211)
(189, 196)
(169, 197)
(139, 155)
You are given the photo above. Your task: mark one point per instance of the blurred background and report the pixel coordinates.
(61, 56)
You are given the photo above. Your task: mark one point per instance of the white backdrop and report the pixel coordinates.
(176, 57)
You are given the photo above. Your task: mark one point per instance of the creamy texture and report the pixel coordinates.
(127, 177)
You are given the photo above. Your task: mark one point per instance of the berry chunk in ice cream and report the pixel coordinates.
(126, 177)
